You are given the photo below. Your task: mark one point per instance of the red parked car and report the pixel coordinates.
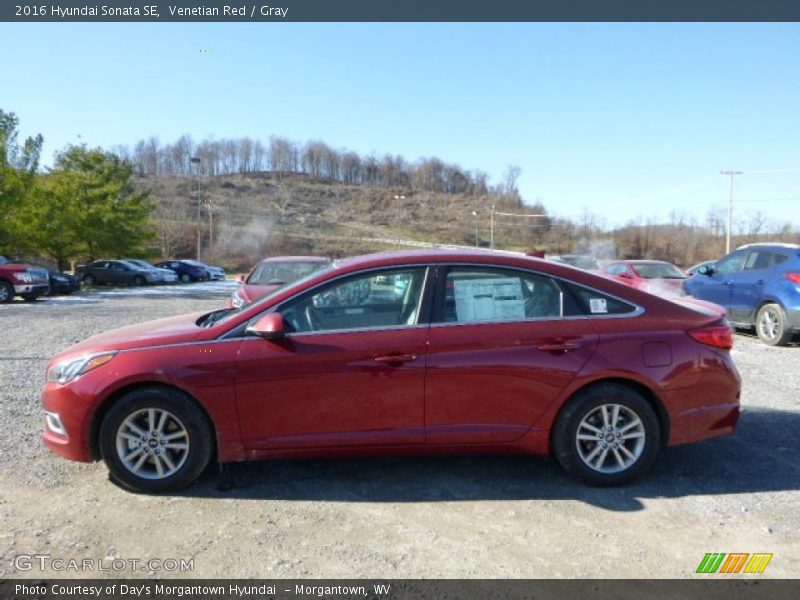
(655, 276)
(408, 352)
(272, 273)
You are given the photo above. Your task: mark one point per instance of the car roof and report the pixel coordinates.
(770, 245)
(643, 261)
(488, 257)
(319, 259)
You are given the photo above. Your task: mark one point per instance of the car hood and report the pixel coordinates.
(171, 330)
(251, 293)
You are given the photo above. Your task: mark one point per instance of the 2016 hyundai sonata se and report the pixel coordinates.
(413, 352)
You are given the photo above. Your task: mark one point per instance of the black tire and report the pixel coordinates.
(185, 278)
(187, 415)
(587, 404)
(139, 280)
(30, 298)
(771, 326)
(6, 292)
(89, 280)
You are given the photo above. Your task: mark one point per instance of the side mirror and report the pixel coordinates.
(269, 327)
(240, 279)
(625, 275)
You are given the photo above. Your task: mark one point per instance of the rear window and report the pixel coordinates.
(594, 303)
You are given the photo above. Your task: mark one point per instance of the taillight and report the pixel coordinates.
(719, 336)
(793, 277)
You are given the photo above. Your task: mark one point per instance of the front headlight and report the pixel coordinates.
(24, 277)
(236, 299)
(67, 370)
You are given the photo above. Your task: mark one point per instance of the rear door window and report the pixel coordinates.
(477, 294)
(758, 260)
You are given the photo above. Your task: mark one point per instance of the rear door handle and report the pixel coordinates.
(558, 346)
(395, 359)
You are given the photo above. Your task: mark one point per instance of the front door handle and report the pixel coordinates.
(558, 347)
(395, 359)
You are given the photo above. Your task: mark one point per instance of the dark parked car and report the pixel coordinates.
(407, 352)
(115, 272)
(187, 270)
(759, 286)
(63, 283)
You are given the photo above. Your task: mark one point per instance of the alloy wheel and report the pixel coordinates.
(610, 438)
(152, 443)
(769, 325)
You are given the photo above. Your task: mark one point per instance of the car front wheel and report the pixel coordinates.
(185, 278)
(607, 435)
(771, 326)
(89, 280)
(155, 440)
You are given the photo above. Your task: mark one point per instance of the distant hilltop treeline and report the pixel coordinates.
(315, 158)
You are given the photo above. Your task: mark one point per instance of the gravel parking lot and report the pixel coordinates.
(393, 518)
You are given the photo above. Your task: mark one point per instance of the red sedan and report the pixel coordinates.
(655, 276)
(410, 352)
(272, 273)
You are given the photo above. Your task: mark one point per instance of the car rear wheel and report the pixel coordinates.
(89, 280)
(771, 326)
(155, 440)
(6, 292)
(138, 280)
(185, 278)
(607, 435)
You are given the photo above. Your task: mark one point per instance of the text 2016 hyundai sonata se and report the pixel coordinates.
(414, 352)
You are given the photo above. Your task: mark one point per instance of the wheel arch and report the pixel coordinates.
(647, 393)
(108, 402)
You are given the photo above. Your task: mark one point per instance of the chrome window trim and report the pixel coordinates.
(430, 267)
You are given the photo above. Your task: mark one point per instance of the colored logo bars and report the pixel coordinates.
(736, 562)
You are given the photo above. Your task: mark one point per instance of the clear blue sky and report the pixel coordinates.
(626, 120)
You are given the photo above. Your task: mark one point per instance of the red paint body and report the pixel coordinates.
(465, 387)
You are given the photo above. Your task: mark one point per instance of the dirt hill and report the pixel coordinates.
(244, 217)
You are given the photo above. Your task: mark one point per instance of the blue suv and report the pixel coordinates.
(759, 286)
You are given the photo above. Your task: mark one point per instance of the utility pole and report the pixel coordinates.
(475, 214)
(194, 161)
(731, 175)
(491, 229)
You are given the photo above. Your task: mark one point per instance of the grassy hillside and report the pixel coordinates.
(245, 217)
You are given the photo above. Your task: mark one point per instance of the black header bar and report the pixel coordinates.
(397, 10)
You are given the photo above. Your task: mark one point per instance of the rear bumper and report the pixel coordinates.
(32, 289)
(710, 407)
(793, 318)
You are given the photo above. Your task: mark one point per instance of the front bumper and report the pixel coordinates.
(32, 289)
(73, 415)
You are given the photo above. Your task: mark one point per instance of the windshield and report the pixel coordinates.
(281, 273)
(3, 260)
(658, 271)
(220, 316)
(141, 264)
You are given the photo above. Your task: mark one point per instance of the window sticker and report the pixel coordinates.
(496, 299)
(598, 305)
